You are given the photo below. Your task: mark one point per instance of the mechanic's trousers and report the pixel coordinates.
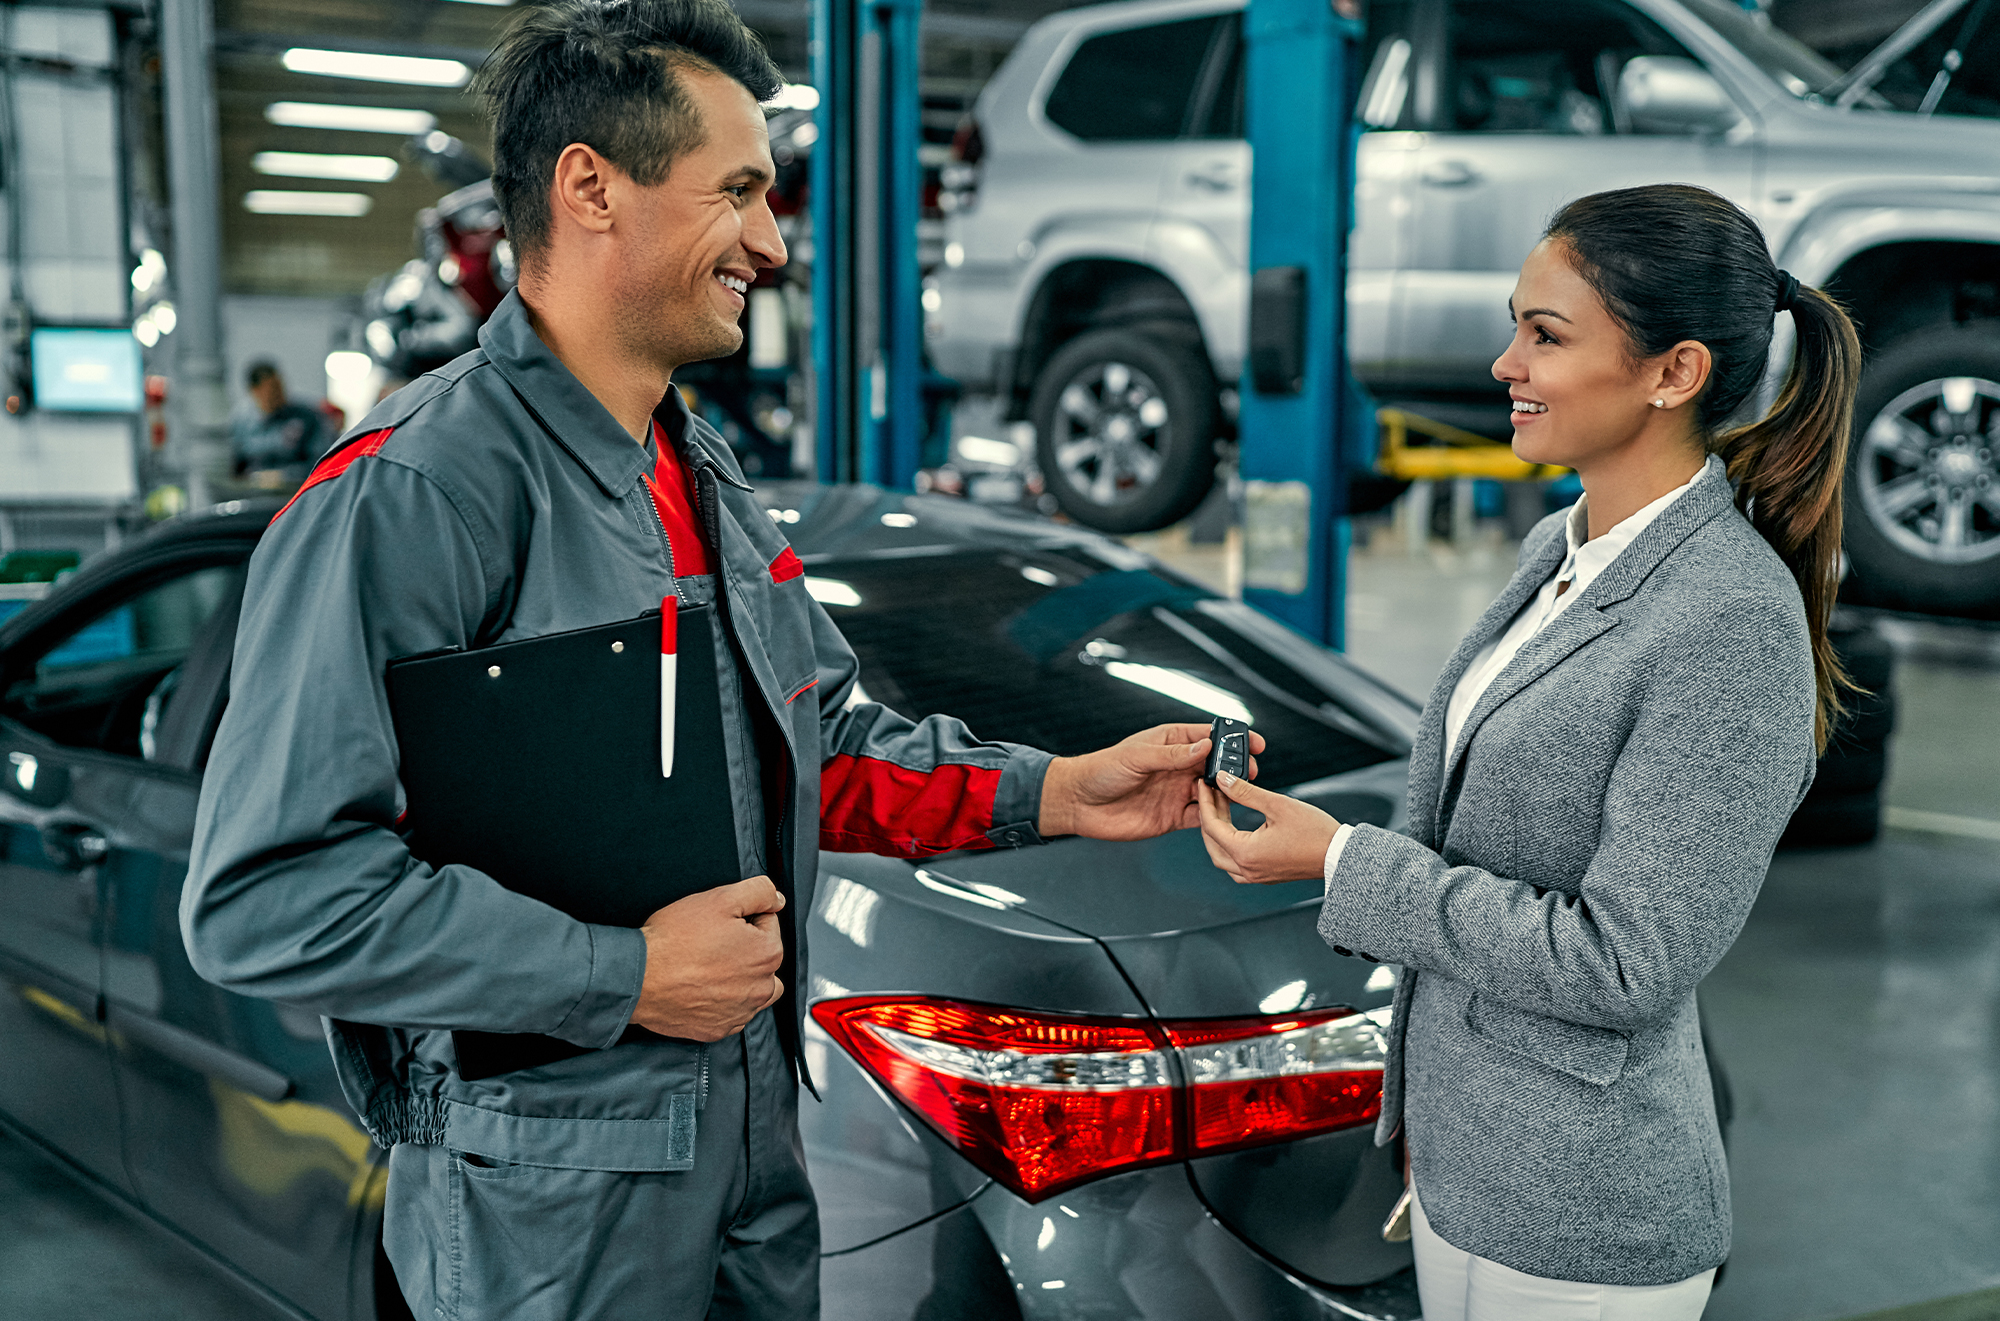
(736, 1238)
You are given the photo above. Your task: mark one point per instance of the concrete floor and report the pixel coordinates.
(1858, 1016)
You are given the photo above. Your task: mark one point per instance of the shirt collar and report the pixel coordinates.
(1589, 556)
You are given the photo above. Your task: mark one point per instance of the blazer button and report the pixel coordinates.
(1370, 957)
(1343, 951)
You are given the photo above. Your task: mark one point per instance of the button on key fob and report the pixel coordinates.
(1229, 748)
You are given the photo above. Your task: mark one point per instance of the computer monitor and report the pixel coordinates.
(86, 369)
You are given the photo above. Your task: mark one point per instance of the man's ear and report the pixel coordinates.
(581, 193)
(1682, 372)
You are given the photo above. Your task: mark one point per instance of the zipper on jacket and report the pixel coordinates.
(701, 1083)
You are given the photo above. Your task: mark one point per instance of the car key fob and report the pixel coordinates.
(1228, 749)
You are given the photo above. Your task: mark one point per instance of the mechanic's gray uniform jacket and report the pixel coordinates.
(491, 501)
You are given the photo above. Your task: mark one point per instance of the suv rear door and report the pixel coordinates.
(1522, 110)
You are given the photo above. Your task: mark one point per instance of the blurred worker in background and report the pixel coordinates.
(277, 444)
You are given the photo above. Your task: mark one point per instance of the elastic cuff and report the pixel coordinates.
(617, 974)
(1335, 847)
(1017, 804)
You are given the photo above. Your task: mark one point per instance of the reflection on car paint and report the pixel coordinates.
(270, 1147)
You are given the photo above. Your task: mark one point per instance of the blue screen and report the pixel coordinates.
(86, 370)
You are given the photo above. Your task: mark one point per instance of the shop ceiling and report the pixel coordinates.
(338, 254)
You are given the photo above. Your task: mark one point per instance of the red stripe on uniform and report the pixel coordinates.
(872, 806)
(786, 567)
(339, 462)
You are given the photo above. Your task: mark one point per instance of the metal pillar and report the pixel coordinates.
(187, 48)
(1298, 418)
(867, 319)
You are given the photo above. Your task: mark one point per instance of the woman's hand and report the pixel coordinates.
(1290, 846)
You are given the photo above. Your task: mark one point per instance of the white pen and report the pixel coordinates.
(669, 643)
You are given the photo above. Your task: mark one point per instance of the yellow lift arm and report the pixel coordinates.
(1457, 453)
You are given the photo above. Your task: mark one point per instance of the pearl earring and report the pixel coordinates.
(1659, 403)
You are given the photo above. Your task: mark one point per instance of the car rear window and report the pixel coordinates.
(1061, 653)
(1135, 85)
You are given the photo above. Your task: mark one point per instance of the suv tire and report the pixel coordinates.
(1923, 495)
(1125, 424)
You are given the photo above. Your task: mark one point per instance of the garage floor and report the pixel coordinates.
(1859, 1018)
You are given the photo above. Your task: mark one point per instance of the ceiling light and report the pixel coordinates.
(377, 68)
(320, 165)
(353, 118)
(271, 202)
(794, 96)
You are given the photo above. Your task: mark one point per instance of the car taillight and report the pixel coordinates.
(958, 180)
(1043, 1102)
(1258, 1080)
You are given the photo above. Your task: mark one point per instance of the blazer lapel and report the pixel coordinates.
(1428, 753)
(1582, 620)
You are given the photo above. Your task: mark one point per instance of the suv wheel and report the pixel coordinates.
(1125, 428)
(1923, 475)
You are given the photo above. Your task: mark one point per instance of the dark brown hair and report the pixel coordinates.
(604, 73)
(1672, 263)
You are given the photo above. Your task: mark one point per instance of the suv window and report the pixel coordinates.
(1133, 86)
(1551, 67)
(107, 684)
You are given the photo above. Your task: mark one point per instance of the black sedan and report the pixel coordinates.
(1085, 1080)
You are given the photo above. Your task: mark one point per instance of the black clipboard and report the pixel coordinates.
(538, 763)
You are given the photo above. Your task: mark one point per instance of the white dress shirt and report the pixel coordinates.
(1588, 556)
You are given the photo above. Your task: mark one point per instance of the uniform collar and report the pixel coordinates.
(559, 401)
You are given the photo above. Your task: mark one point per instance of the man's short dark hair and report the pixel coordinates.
(605, 73)
(261, 371)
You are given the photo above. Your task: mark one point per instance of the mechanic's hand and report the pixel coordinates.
(1136, 789)
(1290, 846)
(712, 961)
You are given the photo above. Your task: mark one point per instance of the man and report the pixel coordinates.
(549, 481)
(279, 443)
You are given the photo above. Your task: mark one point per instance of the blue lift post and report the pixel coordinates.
(1298, 414)
(866, 186)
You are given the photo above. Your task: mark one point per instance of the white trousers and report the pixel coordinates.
(1457, 1286)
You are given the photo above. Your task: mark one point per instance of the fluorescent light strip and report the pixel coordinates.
(271, 202)
(352, 118)
(377, 68)
(321, 165)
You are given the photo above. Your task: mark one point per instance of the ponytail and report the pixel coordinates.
(1788, 469)
(1673, 262)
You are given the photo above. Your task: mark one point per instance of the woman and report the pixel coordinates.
(1601, 774)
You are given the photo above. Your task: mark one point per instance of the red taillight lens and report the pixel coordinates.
(1043, 1102)
(1039, 1102)
(1257, 1080)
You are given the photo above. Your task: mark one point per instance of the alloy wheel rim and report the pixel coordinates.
(1929, 470)
(1112, 425)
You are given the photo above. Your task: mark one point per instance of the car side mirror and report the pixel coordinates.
(1672, 94)
(33, 779)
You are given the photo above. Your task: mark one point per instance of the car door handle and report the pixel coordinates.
(1450, 174)
(74, 846)
(1213, 178)
(199, 1054)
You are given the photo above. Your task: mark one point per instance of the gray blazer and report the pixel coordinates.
(1569, 877)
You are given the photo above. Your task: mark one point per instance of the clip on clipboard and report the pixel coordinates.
(536, 762)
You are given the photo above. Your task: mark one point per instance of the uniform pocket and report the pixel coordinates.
(1594, 1055)
(525, 1246)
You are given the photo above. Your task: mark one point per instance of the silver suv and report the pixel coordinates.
(1095, 271)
